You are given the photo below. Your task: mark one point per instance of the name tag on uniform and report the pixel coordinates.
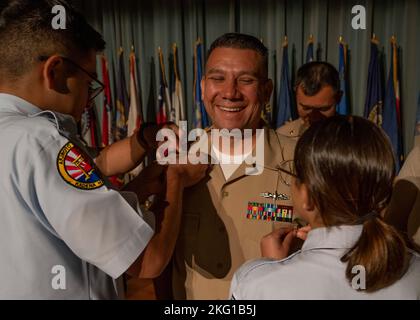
(269, 212)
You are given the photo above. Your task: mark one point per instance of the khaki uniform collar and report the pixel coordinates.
(272, 147)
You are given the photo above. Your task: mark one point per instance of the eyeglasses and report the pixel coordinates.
(95, 88)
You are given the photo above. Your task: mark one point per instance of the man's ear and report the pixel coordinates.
(54, 74)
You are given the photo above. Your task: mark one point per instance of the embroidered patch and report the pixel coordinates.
(75, 170)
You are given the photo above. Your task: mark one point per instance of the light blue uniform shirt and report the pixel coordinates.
(49, 222)
(316, 272)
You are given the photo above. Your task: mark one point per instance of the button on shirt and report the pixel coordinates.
(57, 241)
(316, 272)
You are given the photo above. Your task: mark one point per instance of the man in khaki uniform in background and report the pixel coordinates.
(317, 94)
(219, 232)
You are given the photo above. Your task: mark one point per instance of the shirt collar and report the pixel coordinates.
(340, 237)
(63, 121)
(11, 102)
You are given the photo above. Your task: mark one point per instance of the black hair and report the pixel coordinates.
(315, 75)
(26, 33)
(241, 41)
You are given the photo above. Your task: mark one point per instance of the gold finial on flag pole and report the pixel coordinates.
(393, 39)
(285, 42)
(374, 39)
(311, 38)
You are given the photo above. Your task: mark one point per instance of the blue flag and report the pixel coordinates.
(374, 100)
(310, 51)
(200, 115)
(163, 106)
(391, 112)
(284, 104)
(342, 107)
(122, 104)
(417, 127)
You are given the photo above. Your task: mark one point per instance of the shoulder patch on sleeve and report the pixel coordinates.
(75, 169)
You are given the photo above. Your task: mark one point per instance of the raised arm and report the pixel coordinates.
(158, 252)
(125, 155)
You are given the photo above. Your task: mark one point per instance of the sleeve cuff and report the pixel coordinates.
(129, 252)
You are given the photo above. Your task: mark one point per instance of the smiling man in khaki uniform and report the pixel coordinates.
(226, 214)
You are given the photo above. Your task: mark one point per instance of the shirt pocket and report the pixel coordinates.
(188, 234)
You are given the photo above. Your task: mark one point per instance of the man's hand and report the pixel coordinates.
(146, 136)
(151, 180)
(189, 174)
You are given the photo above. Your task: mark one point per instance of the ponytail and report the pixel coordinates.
(381, 251)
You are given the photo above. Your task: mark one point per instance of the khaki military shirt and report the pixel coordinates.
(216, 235)
(293, 129)
(411, 167)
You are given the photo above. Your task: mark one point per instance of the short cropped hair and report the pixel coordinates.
(26, 33)
(315, 75)
(241, 41)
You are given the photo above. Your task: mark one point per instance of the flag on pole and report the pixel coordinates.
(201, 118)
(342, 107)
(135, 117)
(374, 100)
(417, 125)
(107, 132)
(164, 106)
(121, 110)
(266, 111)
(88, 126)
(310, 49)
(392, 112)
(177, 96)
(171, 86)
(151, 99)
(284, 104)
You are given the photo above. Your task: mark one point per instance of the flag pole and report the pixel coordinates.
(175, 50)
(162, 65)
